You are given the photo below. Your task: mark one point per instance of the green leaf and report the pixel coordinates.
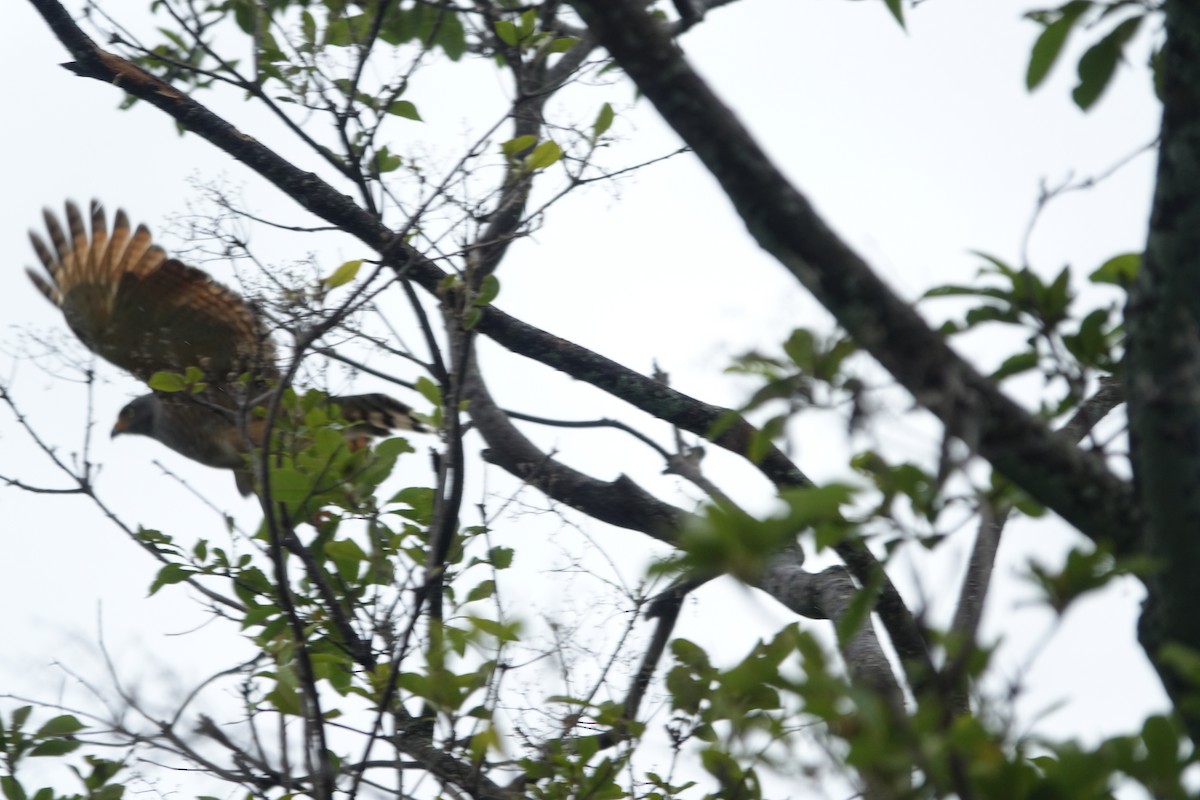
(449, 34)
(897, 11)
(259, 615)
(503, 632)
(518, 145)
(501, 557)
(347, 554)
(103, 771)
(977, 316)
(167, 382)
(1118, 270)
(62, 725)
(995, 265)
(159, 539)
(289, 485)
(801, 348)
(285, 699)
(170, 574)
(726, 770)
(19, 717)
(489, 288)
(55, 747)
(1015, 365)
(419, 499)
(528, 22)
(1098, 64)
(954, 290)
(507, 32)
(429, 390)
(544, 155)
(1084, 571)
(1093, 344)
(904, 479)
(393, 447)
(343, 274)
(1162, 742)
(1050, 43)
(381, 462)
(403, 108)
(482, 591)
(1055, 302)
(731, 541)
(338, 33)
(12, 788)
(604, 121)
(385, 161)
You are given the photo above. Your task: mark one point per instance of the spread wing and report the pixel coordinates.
(142, 311)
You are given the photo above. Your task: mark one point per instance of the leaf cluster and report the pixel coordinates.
(1116, 22)
(1061, 341)
(55, 738)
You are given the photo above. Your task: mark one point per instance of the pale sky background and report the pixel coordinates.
(918, 147)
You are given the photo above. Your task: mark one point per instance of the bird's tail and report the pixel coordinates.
(377, 414)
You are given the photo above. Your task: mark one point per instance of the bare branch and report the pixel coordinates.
(992, 519)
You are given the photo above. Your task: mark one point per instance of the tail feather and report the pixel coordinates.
(377, 413)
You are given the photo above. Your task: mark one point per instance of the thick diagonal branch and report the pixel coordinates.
(1075, 484)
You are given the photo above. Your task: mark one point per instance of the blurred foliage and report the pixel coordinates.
(1062, 344)
(786, 688)
(1085, 570)
(58, 737)
(1110, 25)
(925, 750)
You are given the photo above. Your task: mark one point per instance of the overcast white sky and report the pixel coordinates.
(918, 147)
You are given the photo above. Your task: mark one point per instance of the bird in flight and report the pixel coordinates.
(147, 313)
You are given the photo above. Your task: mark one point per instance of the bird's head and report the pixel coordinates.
(137, 416)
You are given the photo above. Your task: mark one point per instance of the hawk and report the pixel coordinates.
(147, 313)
